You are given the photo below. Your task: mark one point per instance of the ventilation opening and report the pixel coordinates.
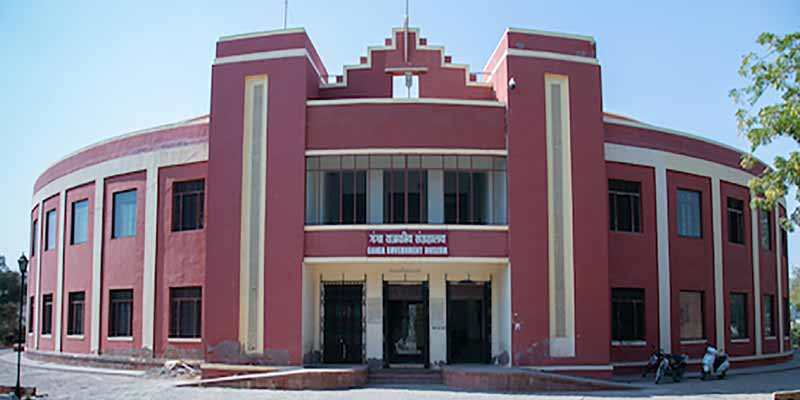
(405, 86)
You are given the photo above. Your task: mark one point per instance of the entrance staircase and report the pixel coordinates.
(404, 377)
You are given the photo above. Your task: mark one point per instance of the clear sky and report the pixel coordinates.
(73, 73)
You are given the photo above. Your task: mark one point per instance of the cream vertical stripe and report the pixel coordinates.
(559, 207)
(97, 263)
(662, 235)
(149, 270)
(62, 241)
(38, 300)
(253, 212)
(778, 257)
(719, 282)
(756, 278)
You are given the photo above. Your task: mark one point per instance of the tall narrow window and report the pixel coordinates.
(769, 315)
(784, 244)
(786, 318)
(34, 228)
(188, 204)
(185, 306)
(47, 314)
(405, 191)
(735, 221)
(471, 185)
(336, 190)
(120, 321)
(80, 221)
(738, 315)
(124, 218)
(692, 326)
(627, 314)
(50, 234)
(31, 311)
(624, 206)
(75, 313)
(765, 223)
(689, 214)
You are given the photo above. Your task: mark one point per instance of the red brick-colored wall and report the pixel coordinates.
(78, 270)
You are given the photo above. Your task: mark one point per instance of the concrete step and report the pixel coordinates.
(405, 376)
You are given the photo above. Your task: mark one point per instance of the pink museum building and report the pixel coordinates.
(407, 211)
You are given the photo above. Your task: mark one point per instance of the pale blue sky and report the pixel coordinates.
(73, 73)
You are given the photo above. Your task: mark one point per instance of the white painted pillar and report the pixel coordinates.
(756, 279)
(62, 241)
(662, 235)
(375, 197)
(374, 313)
(437, 314)
(777, 241)
(435, 197)
(38, 300)
(97, 263)
(505, 322)
(719, 284)
(149, 271)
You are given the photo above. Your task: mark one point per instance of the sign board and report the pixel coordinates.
(407, 244)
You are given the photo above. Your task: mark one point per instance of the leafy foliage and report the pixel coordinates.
(776, 72)
(9, 304)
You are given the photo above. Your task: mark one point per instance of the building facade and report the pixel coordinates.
(406, 212)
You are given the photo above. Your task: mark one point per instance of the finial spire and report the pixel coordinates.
(405, 35)
(285, 12)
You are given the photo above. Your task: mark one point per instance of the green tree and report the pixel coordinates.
(9, 300)
(773, 74)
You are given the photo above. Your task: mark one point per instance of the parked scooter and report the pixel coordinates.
(715, 363)
(665, 364)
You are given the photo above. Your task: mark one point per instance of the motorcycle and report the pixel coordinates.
(666, 365)
(715, 363)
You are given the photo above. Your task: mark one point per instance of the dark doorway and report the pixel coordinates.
(468, 322)
(405, 326)
(342, 333)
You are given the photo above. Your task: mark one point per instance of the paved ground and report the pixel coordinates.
(75, 383)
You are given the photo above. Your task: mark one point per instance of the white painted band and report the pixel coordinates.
(336, 228)
(422, 100)
(403, 151)
(405, 260)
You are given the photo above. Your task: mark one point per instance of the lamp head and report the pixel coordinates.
(23, 263)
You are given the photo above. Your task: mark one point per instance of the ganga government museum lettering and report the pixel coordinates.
(407, 211)
(402, 243)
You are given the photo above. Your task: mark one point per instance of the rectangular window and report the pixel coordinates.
(689, 214)
(405, 195)
(765, 223)
(80, 221)
(50, 234)
(34, 228)
(735, 221)
(769, 315)
(624, 206)
(120, 321)
(738, 315)
(406, 189)
(47, 314)
(124, 223)
(31, 310)
(188, 205)
(784, 244)
(75, 313)
(336, 190)
(692, 326)
(627, 314)
(786, 318)
(185, 308)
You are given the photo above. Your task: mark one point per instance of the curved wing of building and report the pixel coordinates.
(407, 211)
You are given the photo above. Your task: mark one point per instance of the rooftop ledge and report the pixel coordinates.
(458, 102)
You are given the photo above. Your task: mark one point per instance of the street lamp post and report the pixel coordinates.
(23, 266)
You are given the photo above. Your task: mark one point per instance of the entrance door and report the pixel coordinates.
(342, 333)
(468, 322)
(405, 328)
